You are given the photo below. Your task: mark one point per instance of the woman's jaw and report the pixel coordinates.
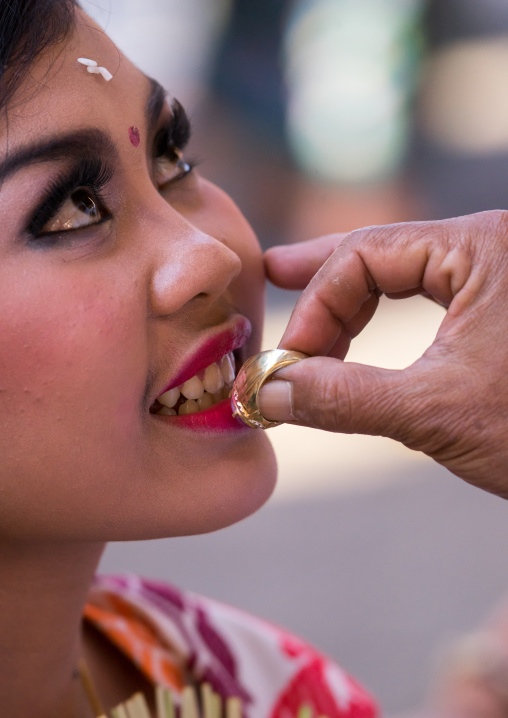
(98, 322)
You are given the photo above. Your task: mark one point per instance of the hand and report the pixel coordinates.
(452, 403)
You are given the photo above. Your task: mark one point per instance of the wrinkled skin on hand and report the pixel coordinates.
(452, 403)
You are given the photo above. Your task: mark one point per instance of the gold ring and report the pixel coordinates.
(251, 378)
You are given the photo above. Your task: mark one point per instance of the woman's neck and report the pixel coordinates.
(42, 593)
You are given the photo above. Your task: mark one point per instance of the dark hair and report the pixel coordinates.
(27, 28)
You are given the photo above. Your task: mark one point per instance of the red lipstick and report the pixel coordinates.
(218, 419)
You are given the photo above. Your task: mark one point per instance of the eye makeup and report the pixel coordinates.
(92, 173)
(174, 135)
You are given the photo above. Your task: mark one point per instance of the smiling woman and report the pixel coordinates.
(131, 290)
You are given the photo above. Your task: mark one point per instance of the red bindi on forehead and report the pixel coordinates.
(134, 136)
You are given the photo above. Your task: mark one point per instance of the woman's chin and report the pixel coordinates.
(237, 489)
(217, 494)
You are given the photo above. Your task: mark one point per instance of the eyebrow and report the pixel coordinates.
(79, 143)
(72, 146)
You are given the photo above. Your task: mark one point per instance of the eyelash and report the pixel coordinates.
(177, 131)
(91, 173)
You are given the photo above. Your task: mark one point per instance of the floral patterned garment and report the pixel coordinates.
(176, 637)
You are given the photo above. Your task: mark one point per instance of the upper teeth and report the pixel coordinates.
(202, 390)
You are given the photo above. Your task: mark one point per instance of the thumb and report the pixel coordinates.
(447, 409)
(326, 393)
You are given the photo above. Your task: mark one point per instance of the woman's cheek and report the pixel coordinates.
(73, 373)
(65, 352)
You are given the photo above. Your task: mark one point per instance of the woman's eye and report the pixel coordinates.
(82, 209)
(169, 167)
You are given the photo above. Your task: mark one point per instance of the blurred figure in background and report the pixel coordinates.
(351, 70)
(331, 84)
(391, 109)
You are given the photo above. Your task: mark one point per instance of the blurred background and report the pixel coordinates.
(321, 116)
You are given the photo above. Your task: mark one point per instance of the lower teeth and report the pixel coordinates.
(190, 407)
(166, 411)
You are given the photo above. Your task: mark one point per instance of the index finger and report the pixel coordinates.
(395, 259)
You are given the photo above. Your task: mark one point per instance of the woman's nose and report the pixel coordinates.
(191, 265)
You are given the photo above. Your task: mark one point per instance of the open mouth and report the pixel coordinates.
(200, 392)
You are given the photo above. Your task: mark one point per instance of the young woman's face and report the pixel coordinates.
(122, 275)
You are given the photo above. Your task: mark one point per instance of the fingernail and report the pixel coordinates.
(275, 400)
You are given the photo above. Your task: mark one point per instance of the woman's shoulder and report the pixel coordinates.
(172, 632)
